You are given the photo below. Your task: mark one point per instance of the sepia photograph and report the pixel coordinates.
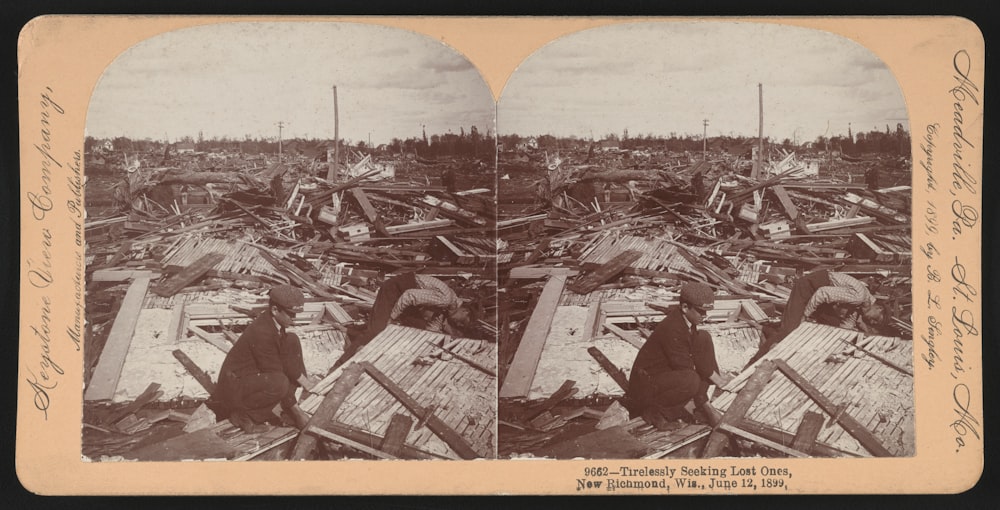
(705, 247)
(289, 248)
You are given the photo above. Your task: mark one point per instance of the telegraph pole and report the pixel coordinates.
(704, 142)
(281, 125)
(331, 172)
(757, 167)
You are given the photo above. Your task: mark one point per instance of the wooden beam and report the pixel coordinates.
(203, 379)
(144, 398)
(762, 440)
(406, 451)
(609, 367)
(104, 380)
(440, 428)
(328, 408)
(565, 391)
(590, 281)
(808, 431)
(337, 438)
(418, 225)
(522, 367)
(188, 275)
(366, 206)
(782, 437)
(395, 434)
(739, 407)
(855, 429)
(222, 345)
(469, 361)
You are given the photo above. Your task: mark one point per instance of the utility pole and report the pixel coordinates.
(704, 142)
(760, 135)
(281, 125)
(331, 172)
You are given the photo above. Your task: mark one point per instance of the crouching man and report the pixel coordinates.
(264, 368)
(674, 366)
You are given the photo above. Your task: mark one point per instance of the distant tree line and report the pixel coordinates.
(471, 143)
(886, 142)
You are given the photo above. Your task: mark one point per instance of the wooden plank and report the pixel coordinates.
(590, 281)
(469, 361)
(120, 275)
(782, 437)
(540, 272)
(328, 408)
(440, 428)
(451, 246)
(147, 396)
(855, 429)
(337, 438)
(203, 379)
(104, 380)
(609, 367)
(762, 440)
(188, 275)
(222, 345)
(808, 431)
(738, 409)
(565, 391)
(406, 451)
(366, 206)
(624, 335)
(522, 367)
(395, 434)
(418, 225)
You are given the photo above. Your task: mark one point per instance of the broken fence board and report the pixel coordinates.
(104, 380)
(188, 275)
(328, 408)
(337, 438)
(395, 434)
(203, 379)
(522, 368)
(738, 409)
(590, 281)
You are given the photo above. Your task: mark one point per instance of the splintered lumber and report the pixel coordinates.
(222, 345)
(405, 451)
(395, 434)
(418, 225)
(855, 429)
(762, 440)
(337, 438)
(104, 380)
(590, 281)
(739, 407)
(328, 408)
(440, 428)
(295, 274)
(468, 361)
(147, 396)
(188, 275)
(808, 431)
(522, 368)
(203, 379)
(366, 206)
(877, 357)
(565, 391)
(609, 367)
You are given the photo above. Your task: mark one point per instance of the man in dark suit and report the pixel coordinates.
(264, 367)
(674, 366)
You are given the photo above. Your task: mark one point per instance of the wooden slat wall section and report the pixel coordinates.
(240, 257)
(659, 255)
(457, 390)
(877, 396)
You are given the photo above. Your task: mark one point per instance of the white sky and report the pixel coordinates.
(242, 78)
(667, 77)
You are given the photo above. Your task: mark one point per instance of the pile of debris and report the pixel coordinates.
(592, 256)
(179, 262)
